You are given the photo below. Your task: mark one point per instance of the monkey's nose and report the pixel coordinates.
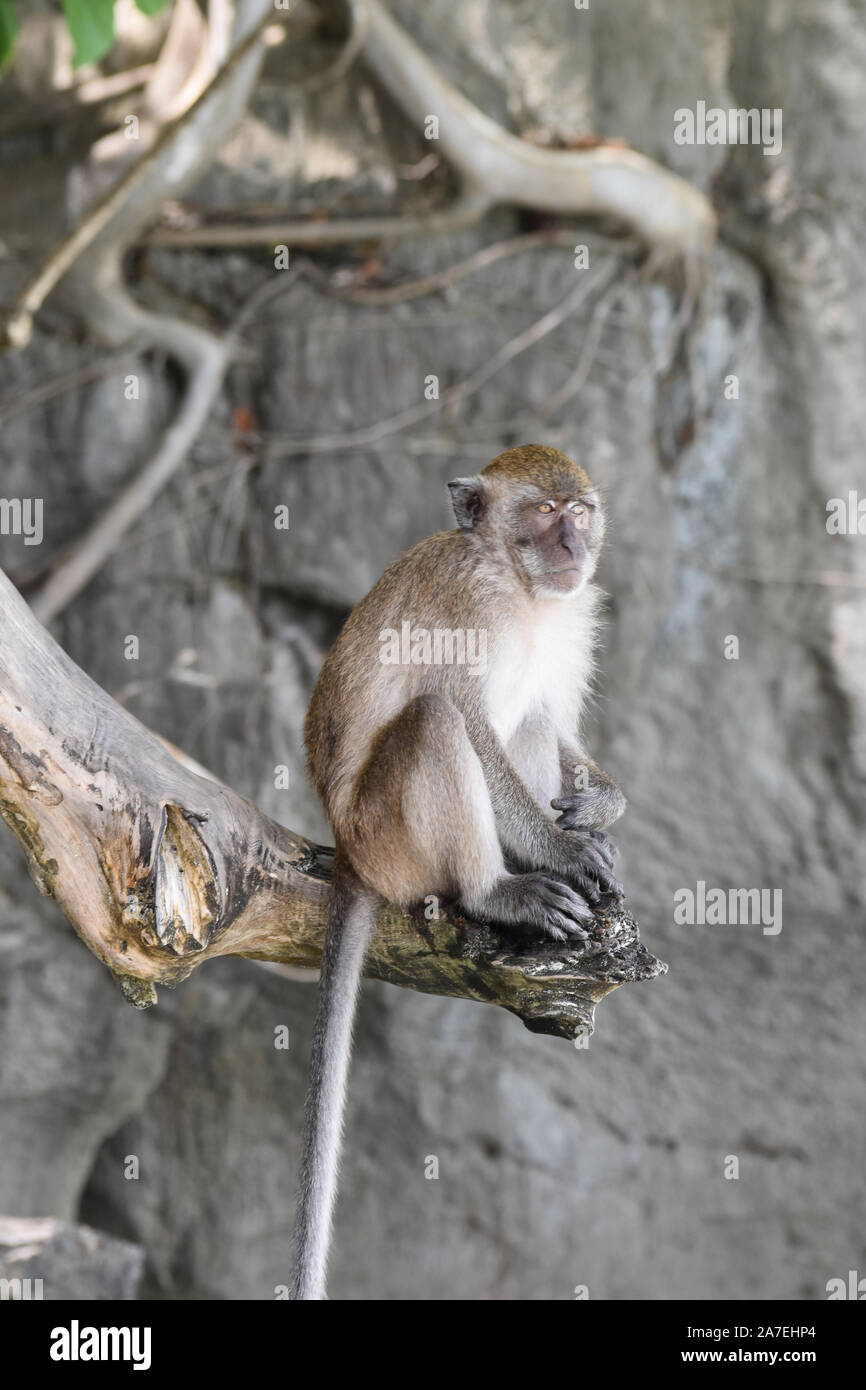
(570, 540)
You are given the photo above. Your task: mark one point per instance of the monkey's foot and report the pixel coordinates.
(540, 901)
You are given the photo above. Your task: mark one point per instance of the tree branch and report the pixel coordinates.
(674, 219)
(666, 211)
(159, 868)
(495, 167)
(180, 152)
(90, 264)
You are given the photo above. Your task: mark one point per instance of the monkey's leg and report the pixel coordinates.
(421, 822)
(529, 834)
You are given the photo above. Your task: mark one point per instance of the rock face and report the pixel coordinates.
(43, 1259)
(610, 1166)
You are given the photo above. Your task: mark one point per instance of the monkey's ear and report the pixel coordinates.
(468, 500)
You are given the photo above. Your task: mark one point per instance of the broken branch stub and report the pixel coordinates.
(159, 868)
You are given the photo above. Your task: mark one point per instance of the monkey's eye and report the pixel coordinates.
(577, 509)
(546, 508)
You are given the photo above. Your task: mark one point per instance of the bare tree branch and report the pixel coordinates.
(94, 285)
(466, 210)
(671, 216)
(183, 148)
(160, 868)
(206, 359)
(666, 211)
(495, 167)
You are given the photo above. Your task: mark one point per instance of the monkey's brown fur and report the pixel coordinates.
(543, 467)
(442, 779)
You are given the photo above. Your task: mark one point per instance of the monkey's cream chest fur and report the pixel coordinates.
(542, 664)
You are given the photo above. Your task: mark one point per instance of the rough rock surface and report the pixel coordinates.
(557, 1167)
(41, 1258)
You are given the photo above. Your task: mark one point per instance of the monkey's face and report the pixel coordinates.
(558, 541)
(534, 510)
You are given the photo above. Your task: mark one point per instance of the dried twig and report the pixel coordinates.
(575, 381)
(112, 365)
(449, 276)
(454, 396)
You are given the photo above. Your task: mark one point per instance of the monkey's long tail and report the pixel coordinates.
(351, 913)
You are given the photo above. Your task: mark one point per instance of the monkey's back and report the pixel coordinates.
(431, 586)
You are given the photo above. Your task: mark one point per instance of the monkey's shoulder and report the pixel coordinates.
(430, 560)
(416, 588)
(423, 581)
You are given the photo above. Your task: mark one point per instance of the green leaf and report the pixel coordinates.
(8, 31)
(150, 6)
(91, 24)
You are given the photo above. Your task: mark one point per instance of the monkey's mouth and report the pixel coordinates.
(566, 579)
(577, 571)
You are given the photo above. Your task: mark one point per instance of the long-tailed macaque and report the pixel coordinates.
(443, 734)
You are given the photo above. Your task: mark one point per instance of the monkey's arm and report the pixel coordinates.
(524, 828)
(590, 799)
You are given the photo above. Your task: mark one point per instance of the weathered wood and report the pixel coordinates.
(159, 867)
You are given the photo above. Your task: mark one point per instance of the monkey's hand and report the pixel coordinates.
(594, 807)
(588, 861)
(578, 813)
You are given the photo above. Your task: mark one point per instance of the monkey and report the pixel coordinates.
(465, 779)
